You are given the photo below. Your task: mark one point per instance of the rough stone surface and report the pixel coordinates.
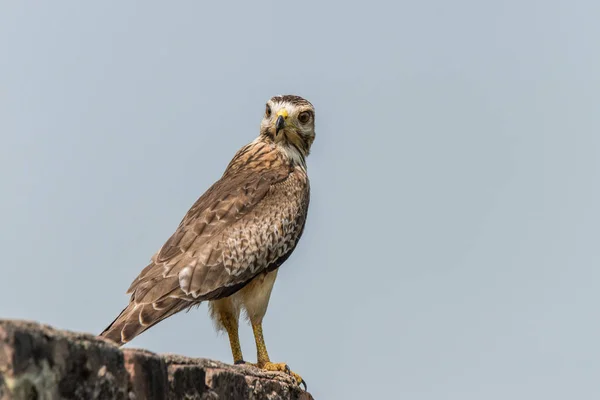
(38, 362)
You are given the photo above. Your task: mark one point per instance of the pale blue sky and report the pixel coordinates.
(451, 250)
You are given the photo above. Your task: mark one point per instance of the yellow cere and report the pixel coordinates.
(283, 112)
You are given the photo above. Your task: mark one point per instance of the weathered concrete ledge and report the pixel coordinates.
(43, 363)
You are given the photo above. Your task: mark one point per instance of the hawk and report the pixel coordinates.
(229, 245)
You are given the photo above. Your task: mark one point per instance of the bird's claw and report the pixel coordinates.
(303, 382)
(296, 376)
(283, 367)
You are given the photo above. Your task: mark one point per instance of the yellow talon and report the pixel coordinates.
(283, 367)
(265, 363)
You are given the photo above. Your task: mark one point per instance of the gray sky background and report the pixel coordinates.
(451, 250)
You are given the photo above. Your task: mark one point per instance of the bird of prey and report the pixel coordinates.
(229, 245)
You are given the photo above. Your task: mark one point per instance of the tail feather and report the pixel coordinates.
(136, 318)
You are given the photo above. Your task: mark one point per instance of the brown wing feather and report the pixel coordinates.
(249, 219)
(137, 317)
(196, 243)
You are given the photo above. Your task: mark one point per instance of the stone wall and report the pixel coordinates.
(39, 362)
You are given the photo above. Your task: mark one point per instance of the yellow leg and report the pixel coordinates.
(230, 322)
(263, 361)
(262, 355)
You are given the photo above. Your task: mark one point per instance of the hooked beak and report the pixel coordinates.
(280, 122)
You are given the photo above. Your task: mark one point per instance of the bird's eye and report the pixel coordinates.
(304, 117)
(268, 111)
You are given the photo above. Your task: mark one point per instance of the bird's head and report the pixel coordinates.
(289, 121)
